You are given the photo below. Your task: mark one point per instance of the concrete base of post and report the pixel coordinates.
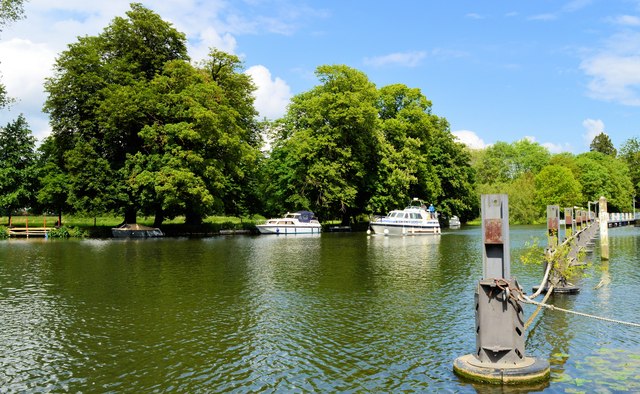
(531, 370)
(559, 289)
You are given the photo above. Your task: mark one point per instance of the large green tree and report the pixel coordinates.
(405, 169)
(17, 159)
(196, 158)
(95, 74)
(421, 157)
(605, 175)
(556, 185)
(505, 162)
(327, 146)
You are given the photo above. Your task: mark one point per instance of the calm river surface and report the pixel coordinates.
(337, 312)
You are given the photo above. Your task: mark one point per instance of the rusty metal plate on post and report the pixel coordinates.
(552, 224)
(493, 231)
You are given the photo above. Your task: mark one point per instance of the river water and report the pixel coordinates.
(336, 312)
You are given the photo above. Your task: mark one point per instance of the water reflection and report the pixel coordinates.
(330, 312)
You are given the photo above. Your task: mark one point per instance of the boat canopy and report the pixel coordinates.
(305, 216)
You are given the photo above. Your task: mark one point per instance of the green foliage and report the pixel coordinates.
(326, 147)
(345, 148)
(556, 185)
(4, 232)
(602, 143)
(11, 11)
(138, 128)
(17, 159)
(562, 267)
(503, 162)
(608, 176)
(91, 188)
(67, 232)
(630, 153)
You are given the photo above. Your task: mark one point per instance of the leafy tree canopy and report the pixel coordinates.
(17, 158)
(556, 185)
(174, 138)
(602, 143)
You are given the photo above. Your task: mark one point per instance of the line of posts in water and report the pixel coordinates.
(499, 355)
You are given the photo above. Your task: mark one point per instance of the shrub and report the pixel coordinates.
(67, 232)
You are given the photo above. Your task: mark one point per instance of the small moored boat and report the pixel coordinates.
(135, 231)
(454, 222)
(301, 222)
(415, 219)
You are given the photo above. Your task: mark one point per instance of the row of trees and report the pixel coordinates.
(137, 129)
(534, 178)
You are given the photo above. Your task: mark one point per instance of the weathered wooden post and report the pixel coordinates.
(553, 223)
(499, 355)
(604, 229)
(579, 220)
(568, 223)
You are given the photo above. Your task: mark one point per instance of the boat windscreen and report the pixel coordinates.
(305, 216)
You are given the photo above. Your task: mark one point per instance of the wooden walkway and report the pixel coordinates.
(29, 231)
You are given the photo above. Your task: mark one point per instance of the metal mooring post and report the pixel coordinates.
(604, 229)
(499, 355)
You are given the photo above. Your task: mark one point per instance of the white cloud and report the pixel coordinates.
(210, 38)
(470, 139)
(405, 59)
(615, 70)
(473, 15)
(544, 17)
(24, 67)
(272, 95)
(593, 128)
(557, 148)
(614, 78)
(626, 20)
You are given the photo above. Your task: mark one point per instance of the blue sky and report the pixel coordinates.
(558, 72)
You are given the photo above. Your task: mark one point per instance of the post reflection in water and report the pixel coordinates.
(330, 312)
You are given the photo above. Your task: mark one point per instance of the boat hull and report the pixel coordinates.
(136, 231)
(404, 229)
(119, 233)
(286, 230)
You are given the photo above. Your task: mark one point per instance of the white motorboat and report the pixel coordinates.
(454, 222)
(416, 219)
(301, 222)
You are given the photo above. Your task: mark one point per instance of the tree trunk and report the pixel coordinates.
(130, 216)
(159, 218)
(192, 218)
(59, 224)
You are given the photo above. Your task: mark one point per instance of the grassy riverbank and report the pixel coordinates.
(101, 225)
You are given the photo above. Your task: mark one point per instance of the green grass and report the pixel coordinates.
(100, 226)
